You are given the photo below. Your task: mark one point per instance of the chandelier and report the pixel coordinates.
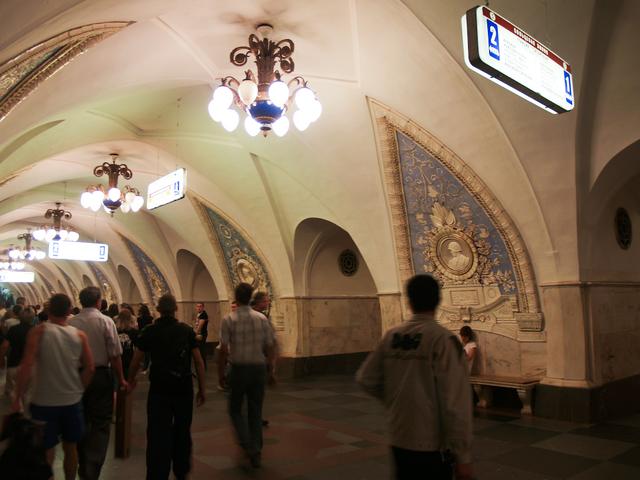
(112, 198)
(11, 265)
(29, 252)
(265, 98)
(56, 232)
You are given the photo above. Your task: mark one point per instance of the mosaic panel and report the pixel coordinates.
(48, 285)
(75, 293)
(108, 292)
(154, 281)
(242, 262)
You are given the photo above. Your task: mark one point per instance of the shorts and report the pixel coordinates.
(65, 421)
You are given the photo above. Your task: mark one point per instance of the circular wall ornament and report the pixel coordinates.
(247, 272)
(348, 263)
(454, 254)
(623, 228)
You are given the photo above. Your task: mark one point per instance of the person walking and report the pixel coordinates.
(202, 331)
(98, 398)
(419, 372)
(172, 346)
(246, 338)
(14, 343)
(64, 362)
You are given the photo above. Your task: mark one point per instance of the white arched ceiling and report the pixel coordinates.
(143, 93)
(130, 290)
(196, 281)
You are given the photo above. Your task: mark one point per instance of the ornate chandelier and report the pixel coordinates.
(29, 252)
(266, 99)
(57, 231)
(11, 265)
(111, 198)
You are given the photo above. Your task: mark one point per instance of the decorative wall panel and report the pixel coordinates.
(154, 281)
(48, 285)
(447, 223)
(242, 262)
(108, 292)
(22, 74)
(75, 293)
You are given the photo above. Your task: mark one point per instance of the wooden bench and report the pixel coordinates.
(523, 385)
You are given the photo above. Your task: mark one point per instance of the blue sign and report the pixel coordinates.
(567, 87)
(494, 39)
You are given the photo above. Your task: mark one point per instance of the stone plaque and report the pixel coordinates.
(464, 297)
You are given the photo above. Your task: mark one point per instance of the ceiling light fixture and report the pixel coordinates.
(57, 231)
(29, 252)
(11, 265)
(112, 198)
(265, 98)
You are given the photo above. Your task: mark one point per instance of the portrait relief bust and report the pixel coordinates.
(455, 255)
(246, 272)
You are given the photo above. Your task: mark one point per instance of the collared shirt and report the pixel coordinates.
(101, 333)
(248, 334)
(419, 371)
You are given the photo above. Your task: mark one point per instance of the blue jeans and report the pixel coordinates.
(65, 421)
(247, 381)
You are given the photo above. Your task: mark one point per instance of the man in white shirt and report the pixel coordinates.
(418, 370)
(98, 398)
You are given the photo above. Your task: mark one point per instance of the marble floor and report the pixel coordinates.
(326, 428)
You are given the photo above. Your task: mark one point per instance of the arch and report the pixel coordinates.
(341, 312)
(196, 281)
(128, 287)
(86, 281)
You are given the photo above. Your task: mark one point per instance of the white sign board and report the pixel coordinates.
(94, 252)
(167, 189)
(12, 276)
(503, 53)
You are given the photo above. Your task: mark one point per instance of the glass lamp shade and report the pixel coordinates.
(251, 126)
(125, 207)
(247, 91)
(114, 194)
(129, 197)
(32, 254)
(304, 98)
(63, 234)
(39, 234)
(40, 255)
(215, 112)
(301, 120)
(315, 110)
(85, 199)
(51, 233)
(281, 126)
(73, 236)
(230, 120)
(17, 266)
(278, 93)
(137, 203)
(222, 97)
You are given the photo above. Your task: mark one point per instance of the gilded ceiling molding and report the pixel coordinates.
(234, 250)
(448, 223)
(23, 73)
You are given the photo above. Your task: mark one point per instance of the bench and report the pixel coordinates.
(523, 385)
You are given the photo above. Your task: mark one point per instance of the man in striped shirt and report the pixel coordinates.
(247, 341)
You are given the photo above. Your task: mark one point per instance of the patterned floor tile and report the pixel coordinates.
(545, 462)
(610, 431)
(589, 447)
(547, 424)
(610, 471)
(630, 457)
(513, 433)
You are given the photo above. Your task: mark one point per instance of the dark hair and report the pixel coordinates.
(466, 331)
(75, 310)
(21, 301)
(423, 292)
(59, 305)
(112, 311)
(144, 311)
(258, 297)
(167, 304)
(103, 304)
(243, 293)
(89, 296)
(17, 309)
(27, 314)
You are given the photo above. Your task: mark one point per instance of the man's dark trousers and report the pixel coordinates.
(169, 434)
(249, 381)
(414, 465)
(97, 402)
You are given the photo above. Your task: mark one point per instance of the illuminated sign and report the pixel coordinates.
(503, 53)
(167, 189)
(11, 276)
(94, 252)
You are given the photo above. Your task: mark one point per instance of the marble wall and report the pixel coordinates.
(187, 314)
(503, 356)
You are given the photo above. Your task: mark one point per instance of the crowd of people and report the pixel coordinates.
(419, 371)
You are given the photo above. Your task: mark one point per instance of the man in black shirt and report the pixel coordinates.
(14, 342)
(172, 345)
(202, 331)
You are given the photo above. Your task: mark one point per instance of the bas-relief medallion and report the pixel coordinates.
(242, 262)
(154, 280)
(103, 284)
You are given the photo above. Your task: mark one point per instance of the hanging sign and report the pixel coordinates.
(93, 252)
(506, 55)
(167, 189)
(12, 276)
